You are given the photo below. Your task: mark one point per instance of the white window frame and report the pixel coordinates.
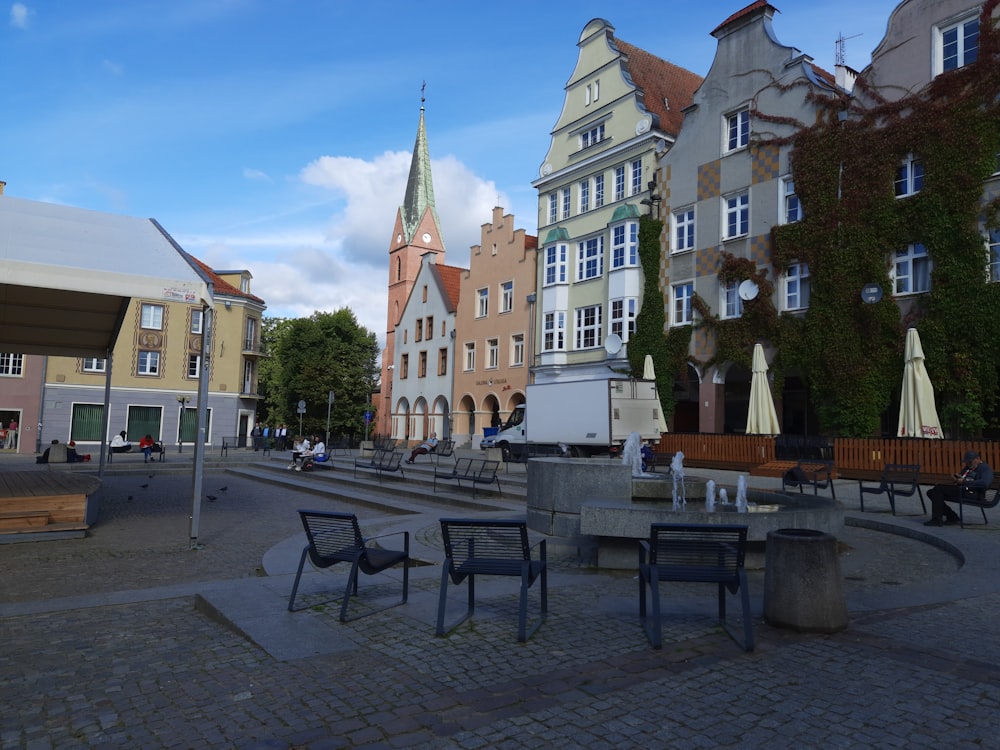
(95, 364)
(584, 195)
(625, 244)
(517, 350)
(151, 317)
(588, 327)
(993, 254)
(598, 190)
(791, 206)
(506, 296)
(636, 168)
(963, 53)
(11, 365)
(592, 137)
(194, 366)
(684, 230)
(556, 264)
(482, 302)
(147, 363)
(553, 208)
(911, 267)
(554, 331)
(909, 177)
(730, 302)
(590, 258)
(796, 286)
(492, 354)
(620, 182)
(736, 215)
(567, 203)
(197, 321)
(736, 131)
(681, 308)
(470, 356)
(623, 312)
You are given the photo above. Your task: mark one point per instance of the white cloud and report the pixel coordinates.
(344, 261)
(256, 174)
(19, 14)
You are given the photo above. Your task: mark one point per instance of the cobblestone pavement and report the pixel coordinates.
(76, 672)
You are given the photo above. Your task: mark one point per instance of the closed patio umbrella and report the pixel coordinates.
(648, 373)
(918, 415)
(762, 419)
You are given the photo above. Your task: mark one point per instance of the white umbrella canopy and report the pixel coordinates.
(648, 373)
(918, 415)
(762, 419)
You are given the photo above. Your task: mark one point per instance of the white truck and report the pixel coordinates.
(581, 418)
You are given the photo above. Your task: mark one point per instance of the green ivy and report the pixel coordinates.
(850, 352)
(669, 351)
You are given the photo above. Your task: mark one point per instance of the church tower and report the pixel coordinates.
(417, 231)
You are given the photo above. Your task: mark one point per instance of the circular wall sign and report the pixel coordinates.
(426, 237)
(871, 293)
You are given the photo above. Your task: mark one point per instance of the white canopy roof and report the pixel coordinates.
(67, 276)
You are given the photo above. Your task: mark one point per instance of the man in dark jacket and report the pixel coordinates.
(972, 481)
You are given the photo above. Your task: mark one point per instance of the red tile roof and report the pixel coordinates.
(667, 88)
(758, 5)
(221, 285)
(448, 278)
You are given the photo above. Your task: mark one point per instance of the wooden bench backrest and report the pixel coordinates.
(333, 537)
(686, 552)
(497, 547)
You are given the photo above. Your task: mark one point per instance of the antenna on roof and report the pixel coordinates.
(841, 46)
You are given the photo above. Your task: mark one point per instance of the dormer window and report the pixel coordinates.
(956, 45)
(590, 137)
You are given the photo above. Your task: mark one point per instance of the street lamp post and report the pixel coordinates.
(183, 401)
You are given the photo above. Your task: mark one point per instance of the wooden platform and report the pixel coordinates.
(43, 501)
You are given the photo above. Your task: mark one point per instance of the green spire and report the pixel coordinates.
(419, 185)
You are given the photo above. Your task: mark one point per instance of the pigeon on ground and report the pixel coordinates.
(144, 486)
(223, 489)
(210, 497)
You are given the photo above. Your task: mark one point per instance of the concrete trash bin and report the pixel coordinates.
(803, 586)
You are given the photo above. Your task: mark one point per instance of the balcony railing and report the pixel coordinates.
(254, 348)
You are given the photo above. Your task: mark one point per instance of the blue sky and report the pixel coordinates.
(276, 136)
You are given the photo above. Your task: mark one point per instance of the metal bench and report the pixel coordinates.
(380, 462)
(896, 479)
(988, 499)
(136, 451)
(816, 474)
(491, 547)
(336, 537)
(694, 553)
(444, 449)
(475, 471)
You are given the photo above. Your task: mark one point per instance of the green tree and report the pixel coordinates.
(311, 357)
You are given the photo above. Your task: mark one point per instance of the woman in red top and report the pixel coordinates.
(146, 445)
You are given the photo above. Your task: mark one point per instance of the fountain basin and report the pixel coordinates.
(618, 524)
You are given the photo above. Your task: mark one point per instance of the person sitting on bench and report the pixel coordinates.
(308, 455)
(425, 447)
(147, 445)
(119, 444)
(973, 480)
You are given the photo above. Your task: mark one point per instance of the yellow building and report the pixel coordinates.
(155, 369)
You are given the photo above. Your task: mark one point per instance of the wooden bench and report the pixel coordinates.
(380, 462)
(816, 474)
(896, 479)
(336, 537)
(136, 451)
(694, 553)
(475, 471)
(491, 547)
